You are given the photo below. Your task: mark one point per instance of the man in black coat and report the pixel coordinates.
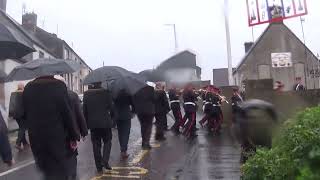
(52, 130)
(144, 107)
(123, 114)
(16, 112)
(5, 149)
(97, 108)
(81, 126)
(161, 110)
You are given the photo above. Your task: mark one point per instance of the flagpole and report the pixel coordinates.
(226, 16)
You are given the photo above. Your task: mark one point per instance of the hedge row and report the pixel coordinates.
(295, 153)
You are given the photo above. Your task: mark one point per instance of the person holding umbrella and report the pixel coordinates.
(16, 112)
(97, 109)
(52, 130)
(123, 114)
(119, 79)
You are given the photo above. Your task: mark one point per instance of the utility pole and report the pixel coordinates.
(302, 20)
(226, 16)
(175, 37)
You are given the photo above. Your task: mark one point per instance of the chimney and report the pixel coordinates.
(247, 46)
(3, 5)
(29, 21)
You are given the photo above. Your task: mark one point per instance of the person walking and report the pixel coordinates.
(52, 130)
(236, 100)
(16, 112)
(81, 126)
(144, 107)
(207, 107)
(5, 149)
(161, 110)
(190, 108)
(97, 108)
(175, 108)
(123, 113)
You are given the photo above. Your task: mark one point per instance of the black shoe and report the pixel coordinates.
(99, 171)
(146, 147)
(108, 167)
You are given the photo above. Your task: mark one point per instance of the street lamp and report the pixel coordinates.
(175, 36)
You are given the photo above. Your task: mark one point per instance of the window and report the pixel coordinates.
(264, 72)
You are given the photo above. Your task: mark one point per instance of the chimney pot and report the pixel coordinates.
(29, 21)
(3, 5)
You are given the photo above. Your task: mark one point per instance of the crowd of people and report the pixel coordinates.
(56, 120)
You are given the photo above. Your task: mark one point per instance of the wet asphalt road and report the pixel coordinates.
(205, 157)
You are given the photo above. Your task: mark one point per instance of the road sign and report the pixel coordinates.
(267, 11)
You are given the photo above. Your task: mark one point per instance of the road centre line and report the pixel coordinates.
(17, 168)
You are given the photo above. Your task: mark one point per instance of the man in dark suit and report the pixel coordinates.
(16, 112)
(144, 107)
(161, 110)
(81, 126)
(123, 114)
(52, 130)
(97, 108)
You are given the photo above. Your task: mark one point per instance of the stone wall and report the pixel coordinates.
(287, 103)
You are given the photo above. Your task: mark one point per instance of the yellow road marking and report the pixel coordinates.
(133, 173)
(120, 176)
(139, 157)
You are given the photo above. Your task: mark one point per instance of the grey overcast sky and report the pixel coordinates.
(131, 33)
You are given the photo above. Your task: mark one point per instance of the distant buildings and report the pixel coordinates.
(181, 67)
(220, 77)
(47, 45)
(280, 55)
(9, 64)
(60, 49)
(177, 70)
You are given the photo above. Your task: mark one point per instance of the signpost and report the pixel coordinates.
(268, 11)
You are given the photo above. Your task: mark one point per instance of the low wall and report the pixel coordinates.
(286, 103)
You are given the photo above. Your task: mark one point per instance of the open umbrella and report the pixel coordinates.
(42, 67)
(3, 76)
(117, 79)
(12, 44)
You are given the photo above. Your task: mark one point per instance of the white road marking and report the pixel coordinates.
(17, 168)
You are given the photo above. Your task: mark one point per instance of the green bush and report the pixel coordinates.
(295, 153)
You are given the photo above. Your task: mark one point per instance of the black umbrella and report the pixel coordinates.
(3, 76)
(12, 44)
(42, 67)
(117, 79)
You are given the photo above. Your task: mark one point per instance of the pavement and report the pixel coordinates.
(203, 158)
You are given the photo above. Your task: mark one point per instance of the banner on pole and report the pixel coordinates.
(267, 11)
